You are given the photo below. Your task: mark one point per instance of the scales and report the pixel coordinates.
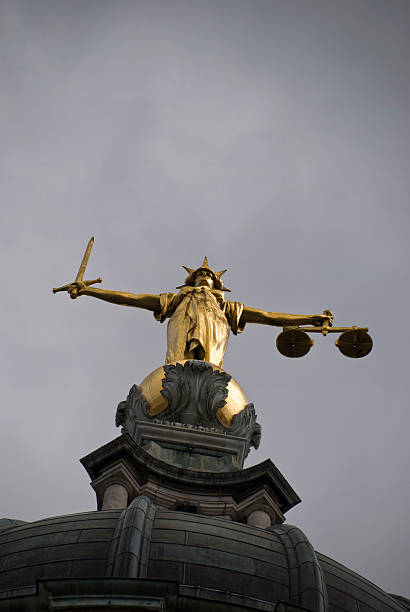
(354, 341)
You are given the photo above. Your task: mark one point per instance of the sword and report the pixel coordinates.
(80, 273)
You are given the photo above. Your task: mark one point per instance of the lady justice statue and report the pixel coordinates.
(191, 388)
(200, 318)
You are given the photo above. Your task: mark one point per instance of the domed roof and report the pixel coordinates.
(347, 590)
(192, 562)
(57, 547)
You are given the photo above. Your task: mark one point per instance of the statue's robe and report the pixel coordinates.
(200, 321)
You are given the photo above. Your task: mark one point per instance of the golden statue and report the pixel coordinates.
(200, 318)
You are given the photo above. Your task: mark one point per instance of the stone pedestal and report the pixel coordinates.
(189, 419)
(185, 436)
(191, 447)
(259, 493)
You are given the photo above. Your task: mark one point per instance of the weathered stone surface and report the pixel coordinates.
(6, 523)
(259, 518)
(307, 587)
(191, 447)
(51, 548)
(236, 546)
(234, 494)
(195, 392)
(95, 595)
(128, 554)
(115, 497)
(347, 589)
(236, 582)
(193, 562)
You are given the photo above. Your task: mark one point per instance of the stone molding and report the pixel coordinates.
(216, 451)
(234, 495)
(307, 588)
(128, 555)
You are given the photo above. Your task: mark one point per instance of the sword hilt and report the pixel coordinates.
(87, 283)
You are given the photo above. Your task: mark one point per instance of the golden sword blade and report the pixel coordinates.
(83, 265)
(80, 273)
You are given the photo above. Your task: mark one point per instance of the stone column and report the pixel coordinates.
(115, 497)
(259, 518)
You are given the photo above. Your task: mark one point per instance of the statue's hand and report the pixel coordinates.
(76, 288)
(320, 319)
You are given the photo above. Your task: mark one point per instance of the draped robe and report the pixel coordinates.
(200, 321)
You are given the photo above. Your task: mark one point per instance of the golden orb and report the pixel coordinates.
(151, 388)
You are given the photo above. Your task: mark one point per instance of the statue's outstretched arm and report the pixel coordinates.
(144, 300)
(281, 319)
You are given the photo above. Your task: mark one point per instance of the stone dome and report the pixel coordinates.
(146, 557)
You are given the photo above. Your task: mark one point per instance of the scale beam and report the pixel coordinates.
(353, 341)
(329, 330)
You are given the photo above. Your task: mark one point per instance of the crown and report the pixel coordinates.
(190, 279)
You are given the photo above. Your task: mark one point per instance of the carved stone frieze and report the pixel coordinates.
(195, 392)
(134, 408)
(244, 424)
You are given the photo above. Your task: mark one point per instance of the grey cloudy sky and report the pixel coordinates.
(272, 137)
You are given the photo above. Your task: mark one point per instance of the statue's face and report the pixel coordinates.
(204, 279)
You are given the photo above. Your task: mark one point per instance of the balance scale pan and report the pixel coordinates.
(294, 343)
(354, 343)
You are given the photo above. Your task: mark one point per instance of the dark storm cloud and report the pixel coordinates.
(272, 137)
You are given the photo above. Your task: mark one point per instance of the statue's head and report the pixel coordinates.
(204, 276)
